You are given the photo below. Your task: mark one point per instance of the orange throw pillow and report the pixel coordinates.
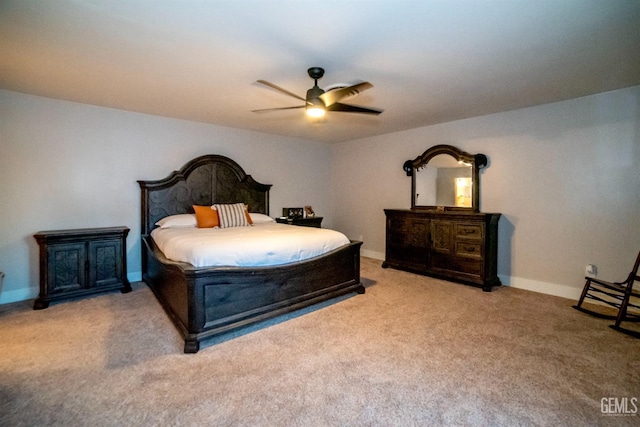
(246, 212)
(206, 216)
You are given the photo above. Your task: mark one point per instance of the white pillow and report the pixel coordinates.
(231, 215)
(259, 218)
(177, 221)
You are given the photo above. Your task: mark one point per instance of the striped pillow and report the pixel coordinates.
(231, 215)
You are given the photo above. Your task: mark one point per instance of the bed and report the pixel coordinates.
(206, 301)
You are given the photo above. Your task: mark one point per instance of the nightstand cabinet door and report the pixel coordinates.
(66, 267)
(105, 263)
(79, 262)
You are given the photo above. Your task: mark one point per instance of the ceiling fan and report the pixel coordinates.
(318, 101)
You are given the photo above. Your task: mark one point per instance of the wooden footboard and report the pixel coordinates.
(203, 302)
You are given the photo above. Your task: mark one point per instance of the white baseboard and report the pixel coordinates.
(555, 289)
(372, 254)
(7, 297)
(134, 276)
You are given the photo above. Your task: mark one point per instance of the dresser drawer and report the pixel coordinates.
(468, 267)
(468, 250)
(468, 231)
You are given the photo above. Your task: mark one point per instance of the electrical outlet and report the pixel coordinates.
(591, 270)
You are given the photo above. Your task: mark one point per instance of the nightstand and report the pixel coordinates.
(315, 221)
(80, 262)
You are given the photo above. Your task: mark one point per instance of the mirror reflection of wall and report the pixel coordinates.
(436, 184)
(445, 187)
(426, 187)
(463, 192)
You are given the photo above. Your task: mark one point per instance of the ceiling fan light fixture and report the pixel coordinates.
(318, 101)
(315, 108)
(315, 112)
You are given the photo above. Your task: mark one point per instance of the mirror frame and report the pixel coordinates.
(476, 161)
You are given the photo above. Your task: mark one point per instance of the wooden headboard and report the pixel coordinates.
(204, 181)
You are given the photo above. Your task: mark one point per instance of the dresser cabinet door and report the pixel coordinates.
(408, 242)
(441, 236)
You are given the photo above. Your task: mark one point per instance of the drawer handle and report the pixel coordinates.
(469, 230)
(469, 248)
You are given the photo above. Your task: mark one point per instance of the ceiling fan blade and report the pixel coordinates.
(276, 87)
(333, 96)
(264, 110)
(338, 107)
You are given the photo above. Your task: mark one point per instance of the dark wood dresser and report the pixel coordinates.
(461, 246)
(80, 262)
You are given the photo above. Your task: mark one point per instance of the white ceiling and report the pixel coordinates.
(430, 61)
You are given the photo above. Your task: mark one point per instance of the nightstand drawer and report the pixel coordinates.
(315, 221)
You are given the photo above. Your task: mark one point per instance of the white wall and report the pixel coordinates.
(565, 177)
(67, 165)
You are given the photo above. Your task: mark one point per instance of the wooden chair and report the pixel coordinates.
(616, 294)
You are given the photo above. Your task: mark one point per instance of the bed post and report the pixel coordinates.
(191, 344)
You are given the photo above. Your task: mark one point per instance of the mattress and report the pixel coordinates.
(264, 244)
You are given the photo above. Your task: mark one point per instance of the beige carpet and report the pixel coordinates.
(411, 351)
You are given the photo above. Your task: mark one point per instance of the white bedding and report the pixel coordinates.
(261, 244)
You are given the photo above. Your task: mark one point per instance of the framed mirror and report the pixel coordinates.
(445, 178)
